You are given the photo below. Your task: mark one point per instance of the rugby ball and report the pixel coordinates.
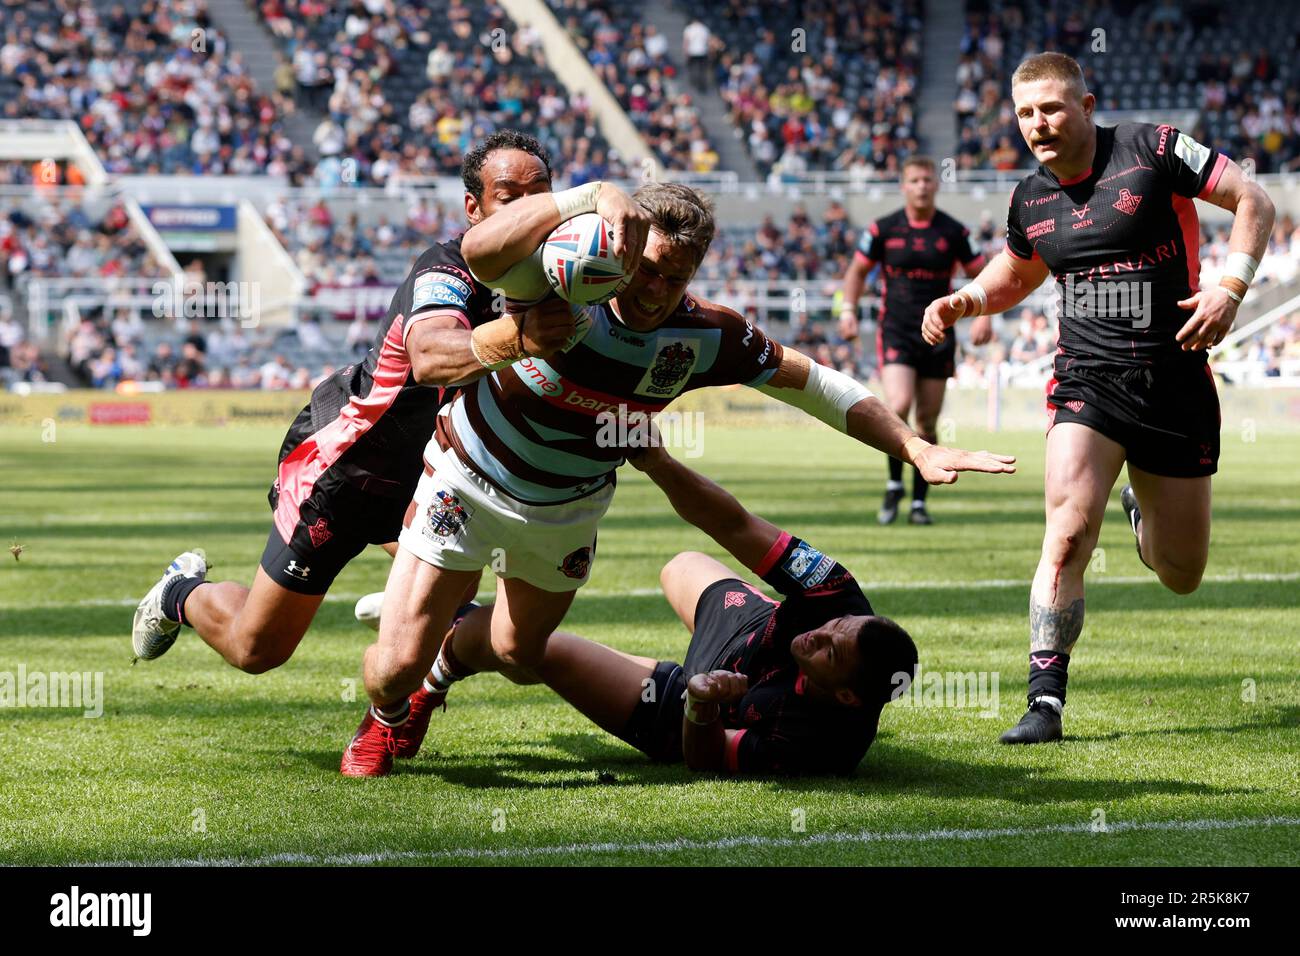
(579, 261)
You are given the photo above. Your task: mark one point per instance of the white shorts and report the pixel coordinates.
(460, 522)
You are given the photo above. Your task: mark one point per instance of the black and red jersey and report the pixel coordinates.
(1122, 240)
(371, 421)
(782, 728)
(917, 261)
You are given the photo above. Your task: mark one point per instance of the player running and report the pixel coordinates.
(352, 458)
(918, 249)
(521, 467)
(794, 687)
(1110, 214)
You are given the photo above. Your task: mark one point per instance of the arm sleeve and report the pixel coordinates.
(1191, 168)
(442, 288)
(871, 246)
(1017, 242)
(793, 566)
(746, 355)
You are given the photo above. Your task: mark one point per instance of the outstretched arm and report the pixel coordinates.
(848, 407)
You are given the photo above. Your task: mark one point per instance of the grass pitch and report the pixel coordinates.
(1182, 743)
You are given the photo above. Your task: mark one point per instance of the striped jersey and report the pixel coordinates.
(534, 429)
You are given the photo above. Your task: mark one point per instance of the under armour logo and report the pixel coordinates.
(1044, 662)
(298, 572)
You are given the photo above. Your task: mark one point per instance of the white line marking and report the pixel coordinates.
(868, 586)
(725, 843)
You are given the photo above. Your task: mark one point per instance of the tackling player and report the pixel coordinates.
(521, 466)
(1110, 214)
(918, 249)
(352, 458)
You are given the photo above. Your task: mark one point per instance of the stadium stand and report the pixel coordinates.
(150, 82)
(1243, 89)
(632, 59)
(406, 89)
(818, 84)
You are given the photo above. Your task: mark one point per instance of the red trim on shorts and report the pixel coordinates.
(773, 554)
(731, 755)
(1051, 409)
(1185, 209)
(300, 471)
(1216, 174)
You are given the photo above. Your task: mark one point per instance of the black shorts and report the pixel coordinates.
(727, 614)
(325, 521)
(895, 346)
(1166, 417)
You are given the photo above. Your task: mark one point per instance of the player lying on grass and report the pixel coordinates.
(521, 466)
(1109, 212)
(352, 458)
(795, 686)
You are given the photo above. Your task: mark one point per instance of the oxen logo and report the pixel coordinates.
(447, 516)
(576, 564)
(671, 365)
(1127, 202)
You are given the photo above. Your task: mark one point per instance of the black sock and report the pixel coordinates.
(1048, 674)
(919, 486)
(896, 470)
(174, 595)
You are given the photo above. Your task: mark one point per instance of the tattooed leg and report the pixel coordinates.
(1051, 629)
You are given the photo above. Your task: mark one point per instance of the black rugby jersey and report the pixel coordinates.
(917, 262)
(1123, 241)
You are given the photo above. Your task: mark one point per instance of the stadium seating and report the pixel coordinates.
(414, 87)
(152, 85)
(1244, 90)
(818, 84)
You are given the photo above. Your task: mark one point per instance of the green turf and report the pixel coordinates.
(193, 759)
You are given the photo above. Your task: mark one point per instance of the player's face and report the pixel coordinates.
(1054, 121)
(919, 187)
(829, 656)
(657, 286)
(507, 175)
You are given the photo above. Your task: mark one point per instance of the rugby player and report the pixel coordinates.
(918, 249)
(521, 466)
(350, 461)
(795, 686)
(1109, 212)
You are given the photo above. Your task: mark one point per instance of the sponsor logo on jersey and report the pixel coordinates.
(1164, 138)
(439, 288)
(576, 564)
(1127, 202)
(734, 599)
(895, 243)
(1079, 213)
(672, 365)
(941, 244)
(1191, 152)
(320, 532)
(1042, 200)
(808, 566)
(1041, 228)
(447, 517)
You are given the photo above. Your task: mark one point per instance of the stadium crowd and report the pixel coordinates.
(156, 90)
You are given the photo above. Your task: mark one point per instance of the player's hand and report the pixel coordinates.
(647, 457)
(939, 316)
(631, 225)
(1215, 311)
(981, 330)
(849, 324)
(718, 687)
(939, 465)
(546, 327)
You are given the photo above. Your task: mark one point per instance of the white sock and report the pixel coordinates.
(1053, 702)
(892, 485)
